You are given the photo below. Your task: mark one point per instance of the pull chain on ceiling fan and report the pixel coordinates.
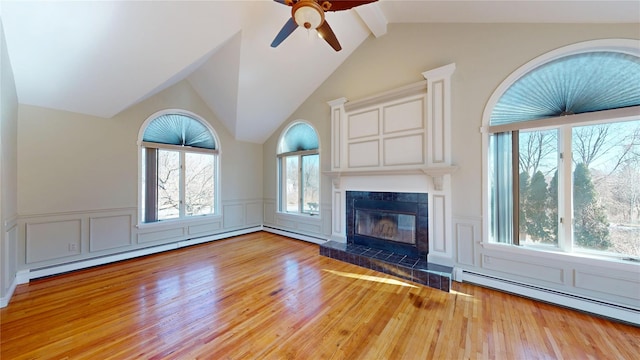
(310, 15)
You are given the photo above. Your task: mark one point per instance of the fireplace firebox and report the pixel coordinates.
(391, 221)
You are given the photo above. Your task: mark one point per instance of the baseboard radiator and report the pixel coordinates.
(616, 312)
(29, 274)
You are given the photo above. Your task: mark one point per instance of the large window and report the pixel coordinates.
(564, 157)
(299, 170)
(179, 162)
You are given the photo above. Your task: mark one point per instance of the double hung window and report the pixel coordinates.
(564, 157)
(179, 168)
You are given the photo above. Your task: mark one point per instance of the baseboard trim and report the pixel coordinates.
(82, 264)
(596, 307)
(4, 300)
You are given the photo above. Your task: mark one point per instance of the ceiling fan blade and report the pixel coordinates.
(281, 2)
(346, 5)
(327, 34)
(286, 30)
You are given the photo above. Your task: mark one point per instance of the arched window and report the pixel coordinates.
(564, 152)
(179, 167)
(299, 170)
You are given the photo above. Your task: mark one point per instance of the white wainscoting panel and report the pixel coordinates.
(286, 223)
(310, 228)
(466, 235)
(206, 229)
(53, 239)
(364, 124)
(175, 233)
(607, 282)
(254, 214)
(336, 138)
(404, 116)
(404, 150)
(364, 154)
(519, 267)
(270, 212)
(326, 219)
(109, 232)
(438, 133)
(438, 242)
(337, 213)
(233, 215)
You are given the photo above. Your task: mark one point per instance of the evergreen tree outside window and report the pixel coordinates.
(565, 182)
(179, 167)
(299, 170)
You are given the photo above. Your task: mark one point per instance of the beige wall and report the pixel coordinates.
(8, 170)
(74, 162)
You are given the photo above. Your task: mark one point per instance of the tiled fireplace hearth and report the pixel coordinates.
(402, 266)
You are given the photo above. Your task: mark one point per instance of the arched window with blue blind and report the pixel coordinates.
(179, 167)
(564, 152)
(299, 170)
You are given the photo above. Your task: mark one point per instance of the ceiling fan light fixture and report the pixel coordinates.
(308, 14)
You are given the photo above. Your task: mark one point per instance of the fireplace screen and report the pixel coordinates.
(386, 225)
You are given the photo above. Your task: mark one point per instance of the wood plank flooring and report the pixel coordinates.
(264, 296)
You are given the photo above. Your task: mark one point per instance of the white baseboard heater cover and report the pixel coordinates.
(613, 311)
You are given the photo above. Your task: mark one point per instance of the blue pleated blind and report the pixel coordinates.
(299, 137)
(574, 84)
(177, 129)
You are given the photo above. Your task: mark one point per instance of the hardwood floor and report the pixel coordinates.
(264, 296)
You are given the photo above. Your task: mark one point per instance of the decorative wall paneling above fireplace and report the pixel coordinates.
(399, 140)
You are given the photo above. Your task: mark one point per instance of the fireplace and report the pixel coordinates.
(393, 221)
(391, 158)
(389, 232)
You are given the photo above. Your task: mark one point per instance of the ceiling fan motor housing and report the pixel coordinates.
(308, 14)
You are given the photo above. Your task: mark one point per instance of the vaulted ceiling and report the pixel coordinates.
(101, 57)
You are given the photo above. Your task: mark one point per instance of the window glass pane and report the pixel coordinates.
(199, 184)
(501, 188)
(606, 187)
(143, 188)
(310, 183)
(291, 184)
(538, 187)
(168, 184)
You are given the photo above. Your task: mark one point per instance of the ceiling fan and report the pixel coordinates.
(310, 15)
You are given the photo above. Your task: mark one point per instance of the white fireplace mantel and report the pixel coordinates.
(397, 141)
(436, 173)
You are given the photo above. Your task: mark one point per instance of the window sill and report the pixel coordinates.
(300, 215)
(558, 255)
